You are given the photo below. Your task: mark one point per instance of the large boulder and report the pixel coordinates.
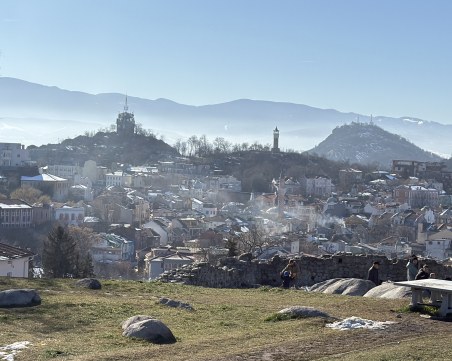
(389, 290)
(343, 286)
(90, 283)
(19, 298)
(147, 328)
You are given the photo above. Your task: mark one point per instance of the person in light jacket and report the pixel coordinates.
(412, 268)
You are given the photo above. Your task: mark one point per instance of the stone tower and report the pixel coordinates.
(125, 123)
(275, 140)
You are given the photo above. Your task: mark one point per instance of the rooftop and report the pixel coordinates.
(8, 252)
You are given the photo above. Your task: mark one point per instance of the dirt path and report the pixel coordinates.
(339, 343)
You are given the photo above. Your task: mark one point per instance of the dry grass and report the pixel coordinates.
(226, 324)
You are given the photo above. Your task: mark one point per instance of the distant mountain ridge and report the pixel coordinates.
(368, 143)
(36, 114)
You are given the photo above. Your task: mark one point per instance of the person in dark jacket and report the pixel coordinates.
(286, 279)
(372, 274)
(423, 273)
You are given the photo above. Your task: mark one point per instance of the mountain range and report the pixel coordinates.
(37, 114)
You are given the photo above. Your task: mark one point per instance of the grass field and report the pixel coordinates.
(227, 324)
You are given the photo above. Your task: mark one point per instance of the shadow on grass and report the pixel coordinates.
(428, 310)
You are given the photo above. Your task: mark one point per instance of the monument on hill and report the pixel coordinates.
(125, 123)
(275, 148)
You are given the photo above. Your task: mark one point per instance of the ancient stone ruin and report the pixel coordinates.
(234, 272)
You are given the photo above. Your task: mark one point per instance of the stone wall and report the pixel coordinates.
(245, 272)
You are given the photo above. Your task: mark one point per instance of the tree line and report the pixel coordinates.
(200, 146)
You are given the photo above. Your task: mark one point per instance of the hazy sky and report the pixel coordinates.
(386, 57)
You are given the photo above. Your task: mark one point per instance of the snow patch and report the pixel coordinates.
(416, 121)
(9, 351)
(352, 323)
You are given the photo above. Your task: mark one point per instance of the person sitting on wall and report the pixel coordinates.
(286, 279)
(423, 273)
(372, 274)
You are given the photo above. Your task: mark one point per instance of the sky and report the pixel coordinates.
(383, 57)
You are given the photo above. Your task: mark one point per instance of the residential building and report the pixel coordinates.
(15, 213)
(157, 265)
(349, 178)
(119, 179)
(160, 226)
(224, 182)
(42, 214)
(113, 248)
(317, 186)
(413, 168)
(67, 215)
(15, 262)
(207, 209)
(439, 245)
(14, 155)
(416, 196)
(62, 170)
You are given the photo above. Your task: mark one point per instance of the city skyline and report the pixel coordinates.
(386, 58)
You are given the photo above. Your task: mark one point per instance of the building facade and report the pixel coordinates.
(15, 213)
(14, 155)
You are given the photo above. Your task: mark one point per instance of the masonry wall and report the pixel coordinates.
(244, 272)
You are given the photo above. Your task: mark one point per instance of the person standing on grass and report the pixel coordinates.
(293, 270)
(372, 274)
(412, 268)
(423, 273)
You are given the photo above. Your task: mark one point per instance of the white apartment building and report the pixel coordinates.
(14, 155)
(119, 179)
(70, 215)
(14, 262)
(63, 171)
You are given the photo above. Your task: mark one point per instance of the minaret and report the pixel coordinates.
(275, 140)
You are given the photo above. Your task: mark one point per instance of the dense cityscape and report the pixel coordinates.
(138, 221)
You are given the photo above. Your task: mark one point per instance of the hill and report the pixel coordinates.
(226, 324)
(105, 148)
(36, 114)
(369, 144)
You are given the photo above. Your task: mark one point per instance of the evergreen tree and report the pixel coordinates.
(231, 245)
(59, 256)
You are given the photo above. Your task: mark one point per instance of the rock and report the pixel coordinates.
(303, 311)
(19, 298)
(90, 283)
(343, 286)
(389, 290)
(173, 303)
(134, 319)
(149, 329)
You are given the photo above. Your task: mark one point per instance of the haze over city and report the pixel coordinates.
(383, 58)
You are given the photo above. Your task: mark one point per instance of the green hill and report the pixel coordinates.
(226, 324)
